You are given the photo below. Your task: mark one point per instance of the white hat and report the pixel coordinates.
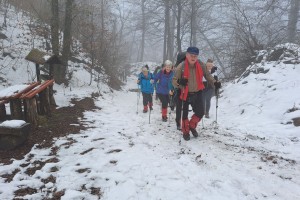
(168, 62)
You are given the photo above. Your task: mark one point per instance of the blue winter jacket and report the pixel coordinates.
(164, 82)
(145, 84)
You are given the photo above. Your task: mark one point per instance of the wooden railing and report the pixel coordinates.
(35, 99)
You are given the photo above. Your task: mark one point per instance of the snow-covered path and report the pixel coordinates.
(122, 156)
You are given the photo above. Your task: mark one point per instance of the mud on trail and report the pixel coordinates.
(63, 121)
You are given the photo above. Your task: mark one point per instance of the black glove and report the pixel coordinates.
(217, 84)
(216, 78)
(213, 70)
(182, 81)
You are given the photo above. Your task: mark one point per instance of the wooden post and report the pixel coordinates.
(37, 66)
(2, 112)
(51, 96)
(51, 75)
(16, 109)
(45, 102)
(31, 115)
(50, 71)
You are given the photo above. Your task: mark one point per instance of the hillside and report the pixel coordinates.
(266, 98)
(22, 35)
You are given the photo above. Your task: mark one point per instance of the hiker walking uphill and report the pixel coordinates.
(208, 91)
(146, 81)
(164, 87)
(177, 92)
(188, 77)
(156, 71)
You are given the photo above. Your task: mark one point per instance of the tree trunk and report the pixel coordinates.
(143, 32)
(5, 12)
(167, 29)
(171, 36)
(193, 39)
(178, 38)
(67, 39)
(56, 69)
(292, 22)
(55, 27)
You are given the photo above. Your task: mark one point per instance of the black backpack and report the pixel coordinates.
(180, 58)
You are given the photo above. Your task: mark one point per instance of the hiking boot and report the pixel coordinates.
(164, 119)
(150, 106)
(172, 108)
(194, 132)
(145, 109)
(186, 136)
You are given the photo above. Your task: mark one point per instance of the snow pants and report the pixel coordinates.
(194, 99)
(147, 98)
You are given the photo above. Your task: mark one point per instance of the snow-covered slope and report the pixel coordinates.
(123, 156)
(268, 98)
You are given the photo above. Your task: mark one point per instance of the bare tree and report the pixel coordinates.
(55, 27)
(5, 6)
(193, 16)
(167, 29)
(143, 28)
(67, 39)
(293, 19)
(178, 26)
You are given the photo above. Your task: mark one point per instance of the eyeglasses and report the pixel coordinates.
(193, 56)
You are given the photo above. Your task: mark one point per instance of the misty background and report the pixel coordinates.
(117, 33)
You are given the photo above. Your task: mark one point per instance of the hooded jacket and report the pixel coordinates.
(145, 84)
(164, 82)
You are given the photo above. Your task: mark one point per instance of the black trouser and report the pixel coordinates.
(147, 98)
(207, 95)
(196, 101)
(164, 98)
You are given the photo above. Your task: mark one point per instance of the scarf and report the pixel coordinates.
(186, 73)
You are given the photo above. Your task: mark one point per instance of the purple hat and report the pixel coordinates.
(193, 50)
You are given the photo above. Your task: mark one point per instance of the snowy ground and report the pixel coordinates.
(253, 153)
(128, 158)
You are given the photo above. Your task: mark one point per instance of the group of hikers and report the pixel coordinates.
(189, 82)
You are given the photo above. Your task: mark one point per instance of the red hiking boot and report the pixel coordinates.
(185, 129)
(164, 112)
(145, 109)
(193, 124)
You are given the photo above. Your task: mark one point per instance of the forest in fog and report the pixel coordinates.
(115, 33)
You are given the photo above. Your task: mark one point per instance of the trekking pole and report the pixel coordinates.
(137, 100)
(170, 107)
(149, 115)
(217, 102)
(181, 113)
(151, 96)
(204, 107)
